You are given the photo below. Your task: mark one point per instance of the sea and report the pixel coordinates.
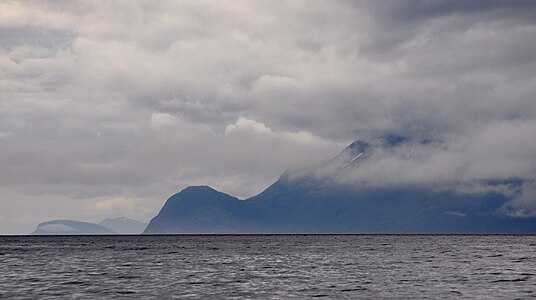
(268, 267)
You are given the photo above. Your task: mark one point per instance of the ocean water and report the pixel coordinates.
(268, 266)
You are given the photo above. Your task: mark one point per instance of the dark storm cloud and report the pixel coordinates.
(111, 101)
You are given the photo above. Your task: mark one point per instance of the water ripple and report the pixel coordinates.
(287, 266)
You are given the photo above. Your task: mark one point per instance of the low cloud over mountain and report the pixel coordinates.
(124, 103)
(330, 198)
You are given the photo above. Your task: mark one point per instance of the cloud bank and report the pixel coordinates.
(136, 100)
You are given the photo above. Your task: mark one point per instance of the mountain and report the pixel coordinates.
(319, 201)
(69, 227)
(201, 209)
(123, 225)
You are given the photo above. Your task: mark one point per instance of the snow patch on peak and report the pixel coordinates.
(352, 160)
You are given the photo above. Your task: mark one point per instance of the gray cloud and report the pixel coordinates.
(135, 100)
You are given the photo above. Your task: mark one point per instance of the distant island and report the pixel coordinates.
(304, 202)
(119, 225)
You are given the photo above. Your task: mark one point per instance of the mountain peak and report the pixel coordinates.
(350, 154)
(357, 147)
(385, 141)
(196, 191)
(200, 188)
(198, 209)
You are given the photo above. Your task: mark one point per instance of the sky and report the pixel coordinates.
(107, 108)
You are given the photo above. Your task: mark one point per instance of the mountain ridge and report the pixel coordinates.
(314, 201)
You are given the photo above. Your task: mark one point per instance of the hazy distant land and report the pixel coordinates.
(318, 200)
(107, 226)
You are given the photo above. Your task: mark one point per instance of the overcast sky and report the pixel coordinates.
(109, 107)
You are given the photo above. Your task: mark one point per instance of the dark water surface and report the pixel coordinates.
(260, 266)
